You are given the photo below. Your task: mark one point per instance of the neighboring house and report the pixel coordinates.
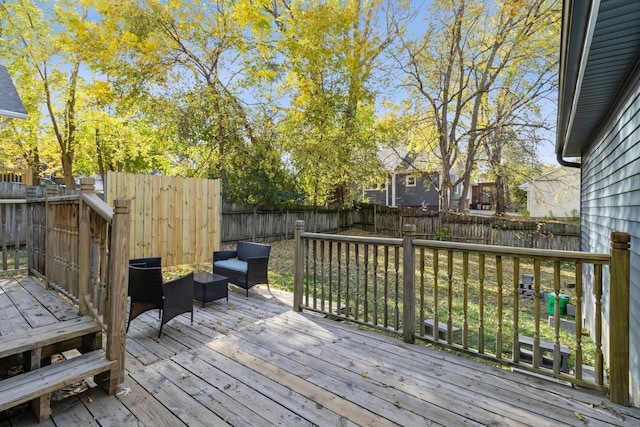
(599, 121)
(10, 104)
(404, 182)
(554, 194)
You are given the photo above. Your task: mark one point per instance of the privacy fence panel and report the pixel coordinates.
(261, 224)
(175, 218)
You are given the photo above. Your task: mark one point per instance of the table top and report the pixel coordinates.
(204, 277)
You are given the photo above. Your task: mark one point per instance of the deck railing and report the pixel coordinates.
(79, 246)
(472, 298)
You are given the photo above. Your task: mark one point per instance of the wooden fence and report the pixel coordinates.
(259, 224)
(488, 230)
(175, 218)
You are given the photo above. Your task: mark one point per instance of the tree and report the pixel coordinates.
(50, 46)
(461, 64)
(326, 54)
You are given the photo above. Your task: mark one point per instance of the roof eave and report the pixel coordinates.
(576, 19)
(13, 115)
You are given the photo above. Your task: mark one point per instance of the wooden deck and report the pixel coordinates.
(254, 362)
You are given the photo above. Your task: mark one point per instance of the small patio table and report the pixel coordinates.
(209, 287)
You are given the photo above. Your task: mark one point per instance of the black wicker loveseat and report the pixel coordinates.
(244, 267)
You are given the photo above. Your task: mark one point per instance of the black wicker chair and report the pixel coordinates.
(246, 266)
(177, 299)
(148, 292)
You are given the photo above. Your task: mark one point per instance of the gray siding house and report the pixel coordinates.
(10, 104)
(599, 122)
(404, 182)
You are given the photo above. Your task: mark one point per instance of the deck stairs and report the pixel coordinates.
(29, 355)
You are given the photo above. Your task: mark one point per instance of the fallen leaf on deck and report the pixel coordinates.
(364, 374)
(580, 417)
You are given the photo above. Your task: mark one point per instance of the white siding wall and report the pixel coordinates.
(610, 193)
(555, 194)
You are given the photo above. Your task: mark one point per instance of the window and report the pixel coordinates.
(375, 185)
(410, 181)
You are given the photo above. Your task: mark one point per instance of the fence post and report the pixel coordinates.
(118, 286)
(619, 319)
(408, 283)
(84, 246)
(298, 287)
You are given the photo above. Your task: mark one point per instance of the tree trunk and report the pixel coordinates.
(501, 206)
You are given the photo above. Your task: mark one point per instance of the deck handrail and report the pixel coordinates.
(394, 284)
(79, 245)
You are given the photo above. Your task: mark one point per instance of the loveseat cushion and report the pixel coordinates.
(232, 264)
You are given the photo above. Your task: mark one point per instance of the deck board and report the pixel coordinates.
(254, 362)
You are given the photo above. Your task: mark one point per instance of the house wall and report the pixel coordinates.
(610, 190)
(556, 194)
(422, 194)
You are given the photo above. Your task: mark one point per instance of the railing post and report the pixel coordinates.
(619, 319)
(298, 274)
(84, 246)
(52, 191)
(31, 194)
(118, 286)
(408, 284)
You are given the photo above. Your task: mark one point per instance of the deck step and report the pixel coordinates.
(52, 339)
(37, 385)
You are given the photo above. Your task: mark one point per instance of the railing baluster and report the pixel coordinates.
(536, 308)
(322, 277)
(436, 319)
(516, 309)
(599, 359)
(481, 265)
(465, 300)
(375, 284)
(365, 306)
(449, 297)
(422, 301)
(308, 273)
(17, 209)
(315, 273)
(339, 295)
(500, 303)
(347, 291)
(3, 233)
(331, 277)
(386, 286)
(556, 342)
(578, 323)
(356, 310)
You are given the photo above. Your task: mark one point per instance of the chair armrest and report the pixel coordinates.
(257, 269)
(222, 255)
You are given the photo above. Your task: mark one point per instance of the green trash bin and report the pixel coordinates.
(551, 303)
